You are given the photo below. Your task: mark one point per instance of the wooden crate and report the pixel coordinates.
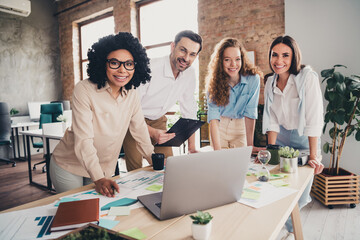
(334, 190)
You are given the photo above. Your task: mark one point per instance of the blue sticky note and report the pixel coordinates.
(119, 203)
(107, 223)
(66, 199)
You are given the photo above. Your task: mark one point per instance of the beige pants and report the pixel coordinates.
(133, 157)
(232, 132)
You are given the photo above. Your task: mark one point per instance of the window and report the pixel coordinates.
(89, 32)
(160, 21)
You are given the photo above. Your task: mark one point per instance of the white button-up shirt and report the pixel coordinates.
(285, 108)
(163, 90)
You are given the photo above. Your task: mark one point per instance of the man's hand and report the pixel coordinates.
(106, 187)
(160, 136)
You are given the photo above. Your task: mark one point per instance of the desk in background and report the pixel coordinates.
(15, 134)
(46, 137)
(231, 221)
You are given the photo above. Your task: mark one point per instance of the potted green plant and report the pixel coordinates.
(343, 111)
(288, 159)
(336, 185)
(201, 226)
(13, 111)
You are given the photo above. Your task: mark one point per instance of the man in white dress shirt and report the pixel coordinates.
(172, 80)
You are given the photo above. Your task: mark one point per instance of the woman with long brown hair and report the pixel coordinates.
(233, 86)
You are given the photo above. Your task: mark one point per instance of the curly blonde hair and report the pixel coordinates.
(217, 81)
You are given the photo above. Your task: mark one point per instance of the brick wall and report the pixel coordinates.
(256, 23)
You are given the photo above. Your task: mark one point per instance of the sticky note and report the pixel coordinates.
(278, 176)
(135, 233)
(279, 183)
(107, 223)
(119, 211)
(119, 203)
(154, 188)
(254, 188)
(251, 195)
(66, 199)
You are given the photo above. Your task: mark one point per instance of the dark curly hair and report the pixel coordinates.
(97, 56)
(217, 80)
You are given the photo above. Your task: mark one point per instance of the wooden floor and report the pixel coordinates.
(319, 222)
(15, 188)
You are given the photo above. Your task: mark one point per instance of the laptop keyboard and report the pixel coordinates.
(158, 204)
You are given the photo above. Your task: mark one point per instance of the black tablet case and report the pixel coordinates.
(183, 129)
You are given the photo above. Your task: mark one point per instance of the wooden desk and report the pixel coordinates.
(232, 221)
(47, 137)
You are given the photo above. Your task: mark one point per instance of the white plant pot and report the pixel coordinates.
(288, 165)
(201, 232)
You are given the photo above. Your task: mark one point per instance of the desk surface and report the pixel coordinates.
(24, 124)
(231, 221)
(39, 133)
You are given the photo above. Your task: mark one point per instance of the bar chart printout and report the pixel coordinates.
(141, 179)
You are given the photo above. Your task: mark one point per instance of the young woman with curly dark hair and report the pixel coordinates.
(104, 108)
(233, 85)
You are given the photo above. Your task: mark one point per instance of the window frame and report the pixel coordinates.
(82, 24)
(138, 6)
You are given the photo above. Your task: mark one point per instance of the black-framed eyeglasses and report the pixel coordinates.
(115, 64)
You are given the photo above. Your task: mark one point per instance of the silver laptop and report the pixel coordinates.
(199, 181)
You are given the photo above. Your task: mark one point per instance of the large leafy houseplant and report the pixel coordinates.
(343, 111)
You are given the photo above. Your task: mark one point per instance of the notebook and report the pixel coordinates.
(199, 181)
(71, 215)
(183, 129)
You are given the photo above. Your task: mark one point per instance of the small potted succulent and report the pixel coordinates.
(288, 159)
(201, 226)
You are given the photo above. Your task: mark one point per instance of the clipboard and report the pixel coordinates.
(183, 129)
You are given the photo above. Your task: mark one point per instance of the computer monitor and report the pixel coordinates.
(34, 110)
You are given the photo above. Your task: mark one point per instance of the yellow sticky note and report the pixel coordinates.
(279, 183)
(119, 211)
(154, 188)
(278, 176)
(251, 195)
(135, 233)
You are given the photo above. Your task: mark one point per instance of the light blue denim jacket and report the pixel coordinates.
(300, 86)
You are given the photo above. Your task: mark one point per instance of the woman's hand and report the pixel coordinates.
(317, 165)
(106, 187)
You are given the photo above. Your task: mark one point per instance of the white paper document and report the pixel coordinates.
(264, 193)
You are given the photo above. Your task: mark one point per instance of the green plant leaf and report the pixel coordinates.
(339, 118)
(341, 87)
(327, 117)
(339, 65)
(331, 132)
(354, 85)
(339, 77)
(331, 83)
(332, 96)
(357, 135)
(326, 147)
(327, 72)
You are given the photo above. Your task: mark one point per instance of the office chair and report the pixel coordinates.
(5, 130)
(65, 104)
(48, 114)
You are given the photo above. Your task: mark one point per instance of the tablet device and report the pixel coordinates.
(183, 129)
